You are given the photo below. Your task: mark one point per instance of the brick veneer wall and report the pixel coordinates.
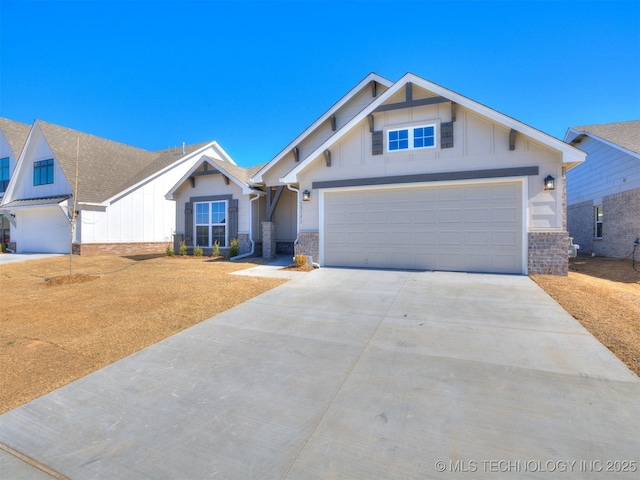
(134, 248)
(620, 224)
(548, 253)
(309, 244)
(581, 224)
(244, 244)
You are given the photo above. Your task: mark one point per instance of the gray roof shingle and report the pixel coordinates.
(16, 134)
(624, 134)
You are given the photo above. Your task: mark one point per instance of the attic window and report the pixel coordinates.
(411, 138)
(43, 172)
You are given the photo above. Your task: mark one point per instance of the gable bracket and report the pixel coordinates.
(370, 120)
(374, 89)
(296, 154)
(512, 139)
(453, 111)
(192, 180)
(327, 157)
(333, 123)
(408, 90)
(226, 179)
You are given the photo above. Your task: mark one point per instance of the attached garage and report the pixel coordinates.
(43, 230)
(470, 227)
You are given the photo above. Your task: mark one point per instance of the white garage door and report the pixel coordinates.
(468, 228)
(43, 230)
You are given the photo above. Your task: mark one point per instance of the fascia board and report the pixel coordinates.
(572, 134)
(291, 177)
(570, 154)
(258, 177)
(130, 189)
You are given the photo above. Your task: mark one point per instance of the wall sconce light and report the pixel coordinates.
(549, 183)
(13, 215)
(306, 196)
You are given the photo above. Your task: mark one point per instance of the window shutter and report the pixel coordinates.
(188, 223)
(446, 135)
(233, 219)
(376, 143)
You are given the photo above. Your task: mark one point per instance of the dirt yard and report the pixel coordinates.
(53, 333)
(603, 294)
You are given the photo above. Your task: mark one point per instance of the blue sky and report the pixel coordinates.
(254, 74)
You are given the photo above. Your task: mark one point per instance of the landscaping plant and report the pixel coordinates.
(234, 248)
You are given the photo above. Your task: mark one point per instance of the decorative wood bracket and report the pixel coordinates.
(272, 201)
(226, 179)
(512, 139)
(327, 157)
(296, 154)
(192, 180)
(374, 89)
(370, 120)
(453, 111)
(408, 90)
(333, 123)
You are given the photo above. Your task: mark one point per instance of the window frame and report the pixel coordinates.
(47, 166)
(411, 137)
(598, 217)
(209, 224)
(4, 182)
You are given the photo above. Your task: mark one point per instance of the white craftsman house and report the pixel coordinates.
(12, 137)
(120, 203)
(404, 175)
(603, 193)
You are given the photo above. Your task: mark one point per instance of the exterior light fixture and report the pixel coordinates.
(549, 183)
(306, 196)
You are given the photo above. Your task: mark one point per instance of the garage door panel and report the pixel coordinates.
(458, 228)
(44, 230)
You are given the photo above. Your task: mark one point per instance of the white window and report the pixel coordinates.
(598, 219)
(411, 138)
(211, 223)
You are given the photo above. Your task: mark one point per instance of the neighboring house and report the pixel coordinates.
(12, 138)
(120, 205)
(404, 175)
(603, 193)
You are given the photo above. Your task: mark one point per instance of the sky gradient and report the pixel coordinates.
(254, 74)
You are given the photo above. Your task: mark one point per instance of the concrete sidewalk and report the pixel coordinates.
(349, 374)
(23, 257)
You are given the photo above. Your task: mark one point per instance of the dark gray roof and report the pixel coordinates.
(32, 202)
(106, 168)
(624, 134)
(16, 134)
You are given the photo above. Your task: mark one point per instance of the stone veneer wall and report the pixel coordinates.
(269, 240)
(244, 244)
(548, 253)
(134, 248)
(309, 245)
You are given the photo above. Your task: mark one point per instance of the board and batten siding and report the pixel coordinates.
(606, 171)
(479, 144)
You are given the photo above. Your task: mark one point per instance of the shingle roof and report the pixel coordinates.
(624, 134)
(105, 167)
(240, 173)
(16, 134)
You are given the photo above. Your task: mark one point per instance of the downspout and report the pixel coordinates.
(253, 245)
(297, 190)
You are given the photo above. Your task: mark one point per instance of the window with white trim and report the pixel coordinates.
(210, 223)
(411, 138)
(599, 215)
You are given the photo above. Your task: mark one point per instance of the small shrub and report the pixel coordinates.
(197, 251)
(170, 251)
(215, 251)
(3, 247)
(183, 248)
(234, 248)
(300, 260)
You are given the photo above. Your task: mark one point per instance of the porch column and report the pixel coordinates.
(269, 240)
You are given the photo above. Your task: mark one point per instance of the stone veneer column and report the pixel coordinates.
(309, 245)
(269, 240)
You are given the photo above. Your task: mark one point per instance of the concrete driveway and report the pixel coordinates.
(349, 374)
(23, 257)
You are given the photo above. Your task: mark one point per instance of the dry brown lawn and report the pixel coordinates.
(52, 332)
(603, 294)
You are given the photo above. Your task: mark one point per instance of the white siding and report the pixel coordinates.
(479, 144)
(606, 171)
